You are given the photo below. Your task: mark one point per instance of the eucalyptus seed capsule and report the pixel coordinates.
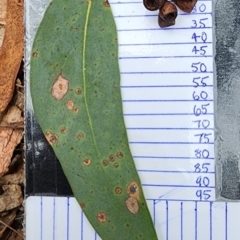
(185, 5)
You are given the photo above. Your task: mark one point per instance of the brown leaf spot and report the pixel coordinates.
(80, 136)
(34, 54)
(102, 217)
(82, 204)
(106, 3)
(116, 165)
(51, 137)
(63, 130)
(119, 155)
(132, 205)
(105, 162)
(133, 190)
(60, 87)
(118, 190)
(112, 157)
(76, 110)
(70, 104)
(87, 162)
(78, 91)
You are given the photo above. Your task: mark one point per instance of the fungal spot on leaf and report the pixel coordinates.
(51, 137)
(63, 130)
(102, 217)
(133, 190)
(70, 104)
(87, 162)
(119, 154)
(35, 54)
(82, 204)
(78, 91)
(105, 162)
(106, 3)
(80, 136)
(112, 158)
(132, 205)
(76, 110)
(118, 190)
(116, 165)
(60, 87)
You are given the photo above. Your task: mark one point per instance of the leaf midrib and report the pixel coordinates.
(84, 74)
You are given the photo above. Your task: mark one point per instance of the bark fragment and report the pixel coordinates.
(12, 51)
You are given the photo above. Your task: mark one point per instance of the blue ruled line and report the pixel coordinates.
(54, 213)
(154, 212)
(178, 200)
(149, 57)
(149, 128)
(68, 218)
(179, 100)
(187, 72)
(196, 221)
(81, 224)
(182, 186)
(161, 29)
(226, 221)
(174, 157)
(163, 171)
(154, 44)
(166, 220)
(180, 143)
(41, 223)
(168, 86)
(210, 220)
(163, 114)
(140, 2)
(155, 15)
(181, 210)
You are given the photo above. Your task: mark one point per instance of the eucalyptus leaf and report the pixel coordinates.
(75, 89)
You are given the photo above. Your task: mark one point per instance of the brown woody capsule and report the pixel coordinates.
(151, 5)
(185, 5)
(167, 15)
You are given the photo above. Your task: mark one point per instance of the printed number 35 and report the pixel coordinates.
(199, 24)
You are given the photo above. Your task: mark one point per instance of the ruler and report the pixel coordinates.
(167, 83)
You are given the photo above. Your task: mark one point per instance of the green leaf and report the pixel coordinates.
(75, 88)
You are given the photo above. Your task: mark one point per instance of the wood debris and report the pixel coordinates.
(11, 49)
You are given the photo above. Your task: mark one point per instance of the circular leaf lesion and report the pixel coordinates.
(60, 87)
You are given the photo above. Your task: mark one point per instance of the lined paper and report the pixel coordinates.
(60, 218)
(167, 93)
